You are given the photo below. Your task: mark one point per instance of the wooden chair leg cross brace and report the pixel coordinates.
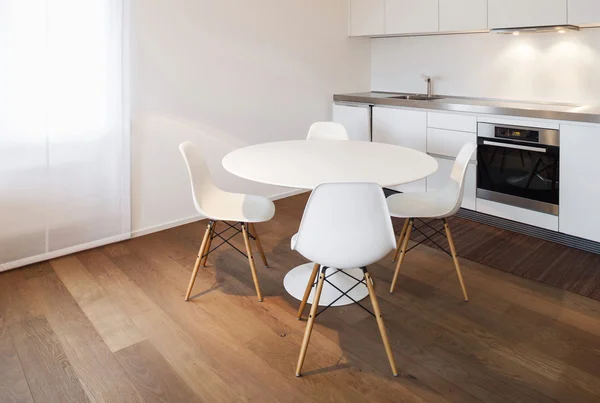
(315, 306)
(247, 230)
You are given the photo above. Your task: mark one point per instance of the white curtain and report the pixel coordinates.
(64, 131)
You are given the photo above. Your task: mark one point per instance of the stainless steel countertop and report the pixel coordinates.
(554, 111)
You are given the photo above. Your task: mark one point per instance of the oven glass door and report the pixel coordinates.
(524, 175)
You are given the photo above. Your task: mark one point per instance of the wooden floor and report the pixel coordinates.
(110, 325)
(547, 262)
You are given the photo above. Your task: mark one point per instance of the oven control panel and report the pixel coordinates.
(517, 134)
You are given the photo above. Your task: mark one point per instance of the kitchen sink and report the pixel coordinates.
(416, 97)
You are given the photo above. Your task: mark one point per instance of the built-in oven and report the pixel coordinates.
(519, 166)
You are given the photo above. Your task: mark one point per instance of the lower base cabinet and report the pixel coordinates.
(579, 211)
(356, 120)
(402, 127)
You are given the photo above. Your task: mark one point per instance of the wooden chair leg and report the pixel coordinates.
(198, 260)
(400, 239)
(310, 323)
(402, 253)
(455, 259)
(259, 245)
(309, 286)
(251, 261)
(380, 324)
(208, 245)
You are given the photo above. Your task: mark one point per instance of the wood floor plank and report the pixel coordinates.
(49, 372)
(514, 356)
(100, 374)
(153, 376)
(237, 366)
(114, 326)
(175, 346)
(180, 351)
(13, 384)
(130, 298)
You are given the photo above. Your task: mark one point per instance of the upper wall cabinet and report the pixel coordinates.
(411, 16)
(463, 15)
(367, 17)
(526, 13)
(584, 12)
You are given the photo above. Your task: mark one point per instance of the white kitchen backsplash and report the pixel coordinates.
(529, 67)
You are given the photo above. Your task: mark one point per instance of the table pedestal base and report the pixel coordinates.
(295, 284)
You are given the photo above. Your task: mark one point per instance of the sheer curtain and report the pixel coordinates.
(64, 131)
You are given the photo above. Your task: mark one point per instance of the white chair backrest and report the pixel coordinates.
(457, 176)
(327, 131)
(346, 225)
(202, 184)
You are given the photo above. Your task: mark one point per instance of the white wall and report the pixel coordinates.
(225, 74)
(533, 67)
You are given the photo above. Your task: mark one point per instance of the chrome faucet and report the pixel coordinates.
(429, 81)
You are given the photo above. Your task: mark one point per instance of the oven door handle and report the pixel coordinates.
(515, 146)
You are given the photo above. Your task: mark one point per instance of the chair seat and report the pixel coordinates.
(294, 240)
(225, 206)
(437, 204)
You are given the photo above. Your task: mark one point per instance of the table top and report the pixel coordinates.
(305, 164)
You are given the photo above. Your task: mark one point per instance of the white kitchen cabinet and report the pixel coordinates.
(579, 213)
(452, 121)
(463, 15)
(448, 143)
(584, 12)
(403, 127)
(367, 17)
(440, 179)
(411, 16)
(526, 13)
(356, 120)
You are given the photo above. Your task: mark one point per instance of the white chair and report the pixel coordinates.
(435, 205)
(219, 206)
(327, 131)
(328, 237)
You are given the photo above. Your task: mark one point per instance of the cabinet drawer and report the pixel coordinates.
(448, 121)
(441, 177)
(448, 142)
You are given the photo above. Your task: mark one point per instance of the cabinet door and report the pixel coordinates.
(526, 13)
(403, 127)
(356, 120)
(463, 15)
(584, 12)
(579, 213)
(367, 17)
(411, 16)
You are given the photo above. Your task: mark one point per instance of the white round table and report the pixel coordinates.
(305, 164)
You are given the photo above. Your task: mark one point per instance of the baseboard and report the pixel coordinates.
(188, 220)
(165, 226)
(530, 230)
(62, 252)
